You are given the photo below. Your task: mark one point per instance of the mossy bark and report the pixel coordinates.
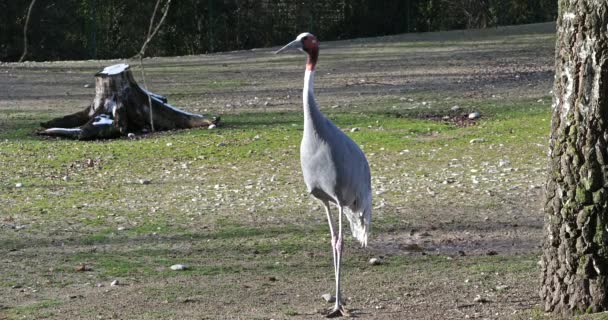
(575, 249)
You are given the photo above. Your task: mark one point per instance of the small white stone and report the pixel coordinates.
(178, 267)
(474, 115)
(480, 299)
(354, 129)
(211, 126)
(18, 185)
(328, 298)
(144, 181)
(115, 283)
(66, 178)
(131, 135)
(477, 140)
(455, 108)
(374, 261)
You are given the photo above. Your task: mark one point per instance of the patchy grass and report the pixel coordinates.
(218, 209)
(38, 310)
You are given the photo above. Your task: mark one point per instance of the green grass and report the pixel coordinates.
(147, 257)
(249, 142)
(37, 310)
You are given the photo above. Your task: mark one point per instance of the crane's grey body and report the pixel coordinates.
(334, 167)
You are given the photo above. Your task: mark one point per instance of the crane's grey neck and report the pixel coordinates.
(311, 111)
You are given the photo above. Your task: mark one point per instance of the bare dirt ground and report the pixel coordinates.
(457, 221)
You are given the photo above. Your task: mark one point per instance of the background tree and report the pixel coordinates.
(575, 250)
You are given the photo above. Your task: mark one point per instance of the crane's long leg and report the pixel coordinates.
(333, 234)
(338, 309)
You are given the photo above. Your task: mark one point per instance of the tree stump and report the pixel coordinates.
(120, 107)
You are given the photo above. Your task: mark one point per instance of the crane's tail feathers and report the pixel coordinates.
(360, 219)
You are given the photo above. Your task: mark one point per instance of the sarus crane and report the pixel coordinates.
(334, 167)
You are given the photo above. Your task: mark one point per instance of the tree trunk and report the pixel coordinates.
(120, 107)
(575, 249)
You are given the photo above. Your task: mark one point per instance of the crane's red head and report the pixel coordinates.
(307, 43)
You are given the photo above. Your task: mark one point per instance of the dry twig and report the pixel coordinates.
(27, 21)
(151, 33)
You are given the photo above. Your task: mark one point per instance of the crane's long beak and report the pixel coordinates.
(296, 44)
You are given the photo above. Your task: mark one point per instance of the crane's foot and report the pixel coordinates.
(338, 312)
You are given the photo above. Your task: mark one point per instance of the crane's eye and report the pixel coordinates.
(305, 38)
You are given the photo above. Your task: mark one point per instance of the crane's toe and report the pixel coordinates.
(338, 312)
